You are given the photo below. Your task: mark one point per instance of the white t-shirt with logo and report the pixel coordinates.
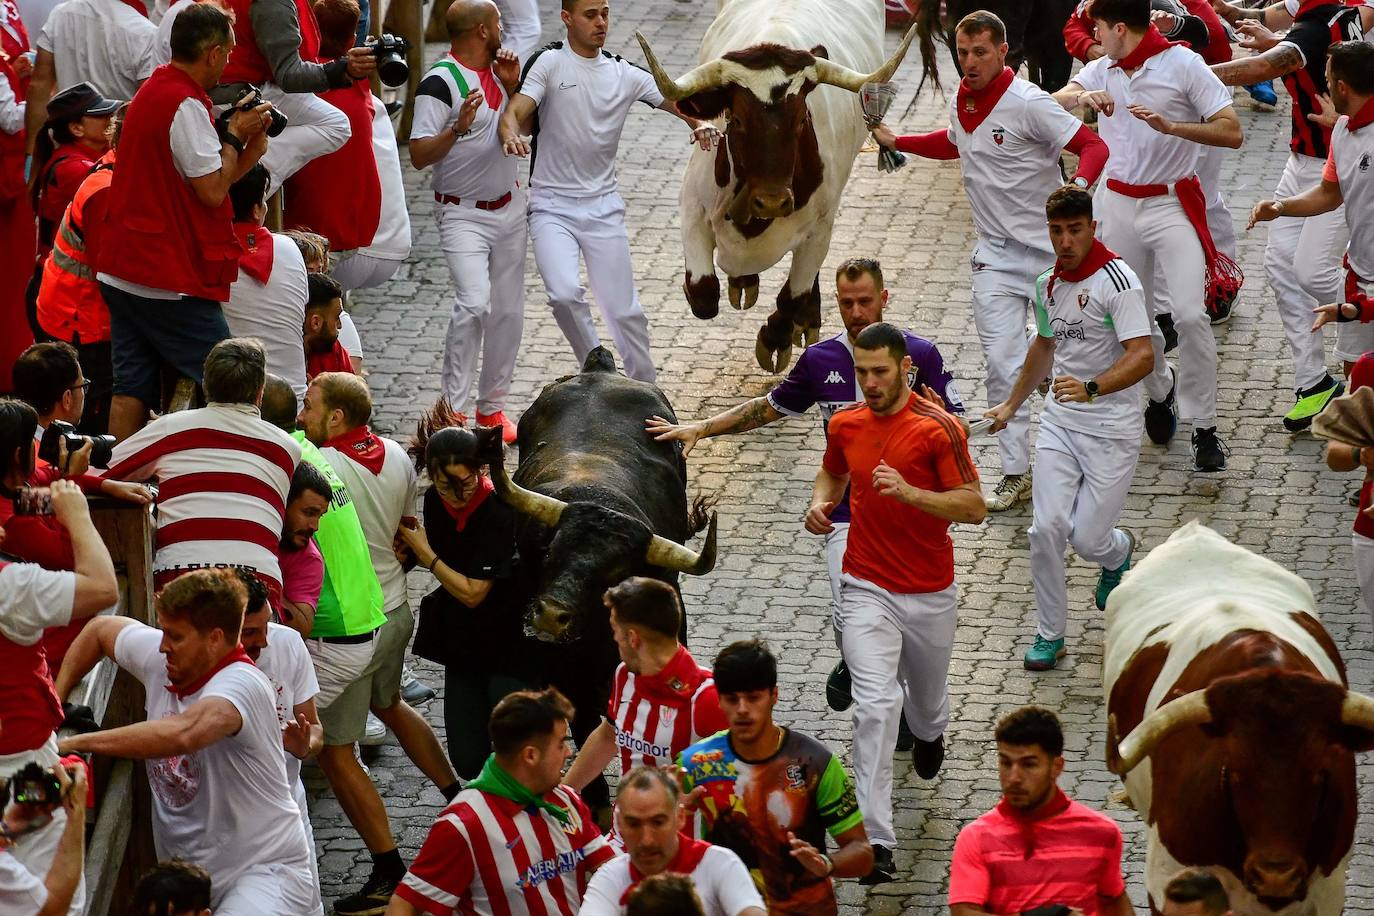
(475, 168)
(583, 103)
(1010, 162)
(1089, 320)
(1352, 160)
(289, 668)
(226, 807)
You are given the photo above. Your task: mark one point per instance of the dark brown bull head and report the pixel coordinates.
(1266, 782)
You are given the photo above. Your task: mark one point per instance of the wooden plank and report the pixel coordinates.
(109, 839)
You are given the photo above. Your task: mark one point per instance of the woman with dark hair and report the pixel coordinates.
(473, 623)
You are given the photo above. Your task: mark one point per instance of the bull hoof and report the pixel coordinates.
(703, 295)
(749, 287)
(772, 359)
(812, 335)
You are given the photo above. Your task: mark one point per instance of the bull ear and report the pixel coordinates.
(1357, 739)
(489, 443)
(705, 106)
(820, 51)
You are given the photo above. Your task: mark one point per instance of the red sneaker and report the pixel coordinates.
(498, 419)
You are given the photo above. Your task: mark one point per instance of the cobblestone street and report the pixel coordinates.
(1277, 497)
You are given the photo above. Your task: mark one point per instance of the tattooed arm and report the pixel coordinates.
(750, 415)
(1277, 62)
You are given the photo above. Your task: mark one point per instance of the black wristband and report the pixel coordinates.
(336, 71)
(1356, 454)
(433, 563)
(227, 136)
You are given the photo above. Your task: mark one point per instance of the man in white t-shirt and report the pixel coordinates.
(582, 95)
(650, 821)
(23, 892)
(211, 742)
(478, 205)
(1093, 336)
(522, 26)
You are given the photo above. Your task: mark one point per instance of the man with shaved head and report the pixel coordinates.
(479, 208)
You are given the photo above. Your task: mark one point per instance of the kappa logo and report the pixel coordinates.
(998, 135)
(834, 378)
(1364, 163)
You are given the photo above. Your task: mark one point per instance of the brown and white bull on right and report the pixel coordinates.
(1237, 731)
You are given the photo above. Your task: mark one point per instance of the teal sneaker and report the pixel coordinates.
(1111, 578)
(1043, 655)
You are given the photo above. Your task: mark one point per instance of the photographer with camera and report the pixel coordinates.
(35, 796)
(169, 252)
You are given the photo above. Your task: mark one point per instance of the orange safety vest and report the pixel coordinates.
(69, 300)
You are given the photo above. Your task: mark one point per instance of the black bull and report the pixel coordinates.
(600, 501)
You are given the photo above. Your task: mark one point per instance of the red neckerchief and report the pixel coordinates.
(1027, 820)
(690, 852)
(1362, 117)
(236, 655)
(1095, 259)
(676, 683)
(974, 105)
(1153, 43)
(258, 250)
(362, 447)
(335, 359)
(137, 6)
(491, 87)
(461, 514)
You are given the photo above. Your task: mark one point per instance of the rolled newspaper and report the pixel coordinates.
(876, 99)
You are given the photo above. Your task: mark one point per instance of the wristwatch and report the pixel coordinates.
(1080, 181)
(1091, 387)
(829, 865)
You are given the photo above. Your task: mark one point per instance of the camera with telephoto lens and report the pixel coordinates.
(390, 52)
(36, 787)
(58, 431)
(247, 102)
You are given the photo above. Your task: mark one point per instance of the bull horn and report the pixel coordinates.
(709, 75)
(542, 508)
(833, 74)
(672, 555)
(1189, 709)
(1358, 711)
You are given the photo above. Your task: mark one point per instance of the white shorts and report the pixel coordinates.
(337, 666)
(279, 889)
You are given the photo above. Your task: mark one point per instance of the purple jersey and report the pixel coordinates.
(824, 376)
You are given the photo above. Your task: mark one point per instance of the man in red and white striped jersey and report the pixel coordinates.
(223, 472)
(467, 865)
(662, 701)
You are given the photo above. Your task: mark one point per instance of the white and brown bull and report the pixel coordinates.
(1237, 731)
(782, 77)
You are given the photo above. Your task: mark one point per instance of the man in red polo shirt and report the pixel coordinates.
(907, 465)
(1037, 848)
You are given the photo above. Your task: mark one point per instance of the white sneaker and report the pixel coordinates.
(1014, 488)
(375, 733)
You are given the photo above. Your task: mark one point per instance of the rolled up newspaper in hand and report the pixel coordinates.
(876, 99)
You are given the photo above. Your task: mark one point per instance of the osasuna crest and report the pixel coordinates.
(1083, 301)
(1364, 163)
(998, 135)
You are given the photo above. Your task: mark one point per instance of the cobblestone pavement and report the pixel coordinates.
(1276, 498)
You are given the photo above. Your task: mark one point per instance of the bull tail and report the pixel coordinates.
(599, 360)
(699, 516)
(930, 28)
(440, 416)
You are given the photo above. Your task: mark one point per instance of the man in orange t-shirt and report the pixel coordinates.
(907, 465)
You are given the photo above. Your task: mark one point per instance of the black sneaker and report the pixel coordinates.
(1161, 420)
(1222, 312)
(883, 869)
(928, 756)
(1209, 455)
(372, 900)
(838, 687)
(1166, 327)
(905, 739)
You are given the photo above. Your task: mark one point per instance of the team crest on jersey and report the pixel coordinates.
(667, 714)
(796, 778)
(998, 135)
(1083, 300)
(1364, 163)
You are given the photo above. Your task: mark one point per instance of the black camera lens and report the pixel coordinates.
(278, 122)
(390, 52)
(102, 447)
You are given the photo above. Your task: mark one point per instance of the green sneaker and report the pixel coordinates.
(1311, 402)
(1043, 655)
(1111, 578)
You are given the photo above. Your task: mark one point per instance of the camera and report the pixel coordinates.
(390, 52)
(58, 431)
(246, 102)
(35, 786)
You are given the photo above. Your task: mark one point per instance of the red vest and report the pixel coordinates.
(246, 63)
(69, 300)
(157, 232)
(63, 173)
(340, 195)
(28, 703)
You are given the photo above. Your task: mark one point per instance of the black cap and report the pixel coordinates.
(454, 445)
(77, 101)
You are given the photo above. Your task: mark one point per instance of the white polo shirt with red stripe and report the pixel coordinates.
(1351, 165)
(223, 474)
(487, 855)
(656, 717)
(720, 878)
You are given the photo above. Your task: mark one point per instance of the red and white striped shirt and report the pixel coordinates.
(223, 474)
(656, 717)
(487, 856)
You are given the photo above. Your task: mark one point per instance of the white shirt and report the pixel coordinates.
(103, 42)
(1010, 162)
(274, 312)
(382, 500)
(1353, 157)
(288, 666)
(162, 48)
(1089, 320)
(33, 599)
(475, 168)
(22, 893)
(11, 110)
(1176, 84)
(391, 241)
(720, 878)
(226, 807)
(583, 103)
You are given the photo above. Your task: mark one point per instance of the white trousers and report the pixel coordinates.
(1219, 221)
(1303, 263)
(1363, 549)
(1156, 230)
(520, 26)
(303, 803)
(279, 888)
(888, 637)
(835, 544)
(1080, 486)
(485, 250)
(1004, 274)
(357, 269)
(563, 227)
(314, 128)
